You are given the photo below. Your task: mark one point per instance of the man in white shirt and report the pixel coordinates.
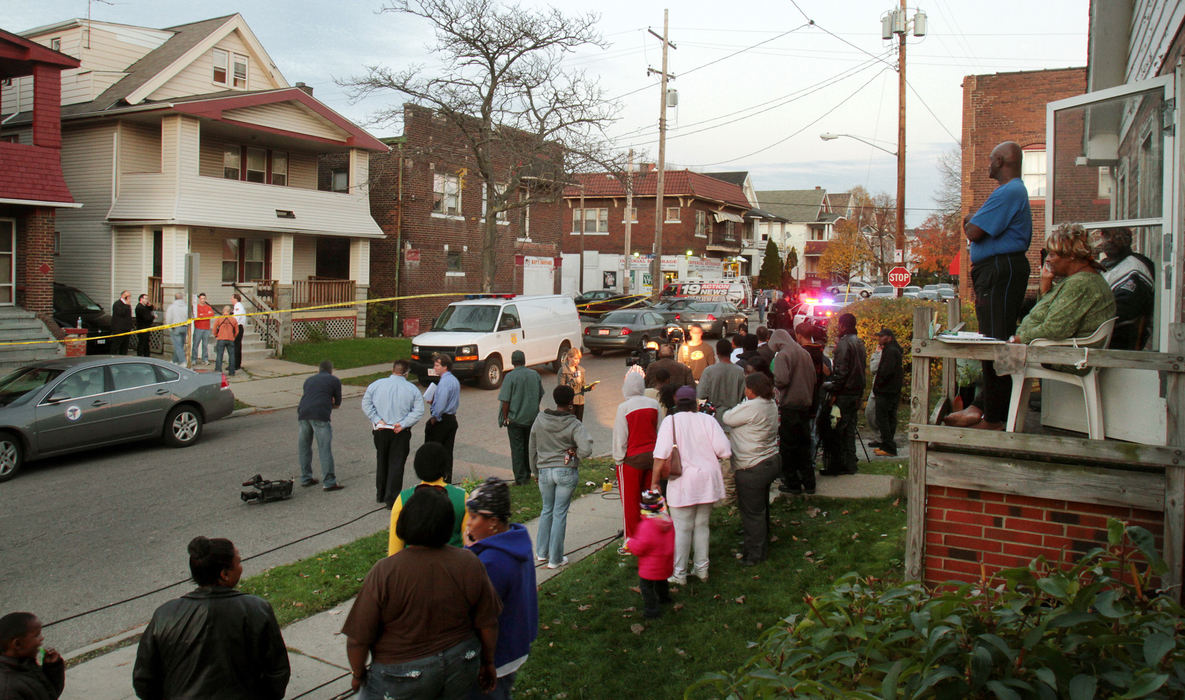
(178, 312)
(241, 319)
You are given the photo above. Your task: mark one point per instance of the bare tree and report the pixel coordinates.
(949, 196)
(525, 119)
(874, 218)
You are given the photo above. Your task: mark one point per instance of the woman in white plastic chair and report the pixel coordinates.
(1075, 298)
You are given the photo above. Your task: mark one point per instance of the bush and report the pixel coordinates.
(897, 315)
(1092, 630)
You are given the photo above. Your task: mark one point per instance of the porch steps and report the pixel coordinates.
(16, 325)
(254, 348)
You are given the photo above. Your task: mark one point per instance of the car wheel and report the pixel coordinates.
(11, 456)
(183, 426)
(491, 374)
(559, 356)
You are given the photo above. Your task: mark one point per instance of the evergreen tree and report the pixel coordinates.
(771, 267)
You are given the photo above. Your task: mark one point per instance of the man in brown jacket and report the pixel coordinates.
(225, 330)
(794, 389)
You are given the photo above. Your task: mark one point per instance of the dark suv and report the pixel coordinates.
(72, 307)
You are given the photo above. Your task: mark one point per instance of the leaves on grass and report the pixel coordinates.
(740, 600)
(583, 608)
(677, 606)
(637, 628)
(635, 589)
(813, 512)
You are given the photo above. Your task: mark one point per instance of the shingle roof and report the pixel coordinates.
(736, 177)
(187, 36)
(675, 183)
(794, 205)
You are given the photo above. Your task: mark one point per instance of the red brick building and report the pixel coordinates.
(702, 227)
(31, 183)
(1011, 107)
(428, 199)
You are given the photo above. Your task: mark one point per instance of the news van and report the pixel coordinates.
(481, 332)
(735, 290)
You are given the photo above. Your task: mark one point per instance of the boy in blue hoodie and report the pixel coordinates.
(505, 549)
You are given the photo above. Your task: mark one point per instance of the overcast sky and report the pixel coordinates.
(760, 110)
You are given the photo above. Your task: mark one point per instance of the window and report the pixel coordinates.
(1106, 182)
(56, 43)
(339, 180)
(256, 165)
(729, 230)
(595, 220)
(509, 320)
(446, 195)
(630, 214)
(240, 64)
(230, 260)
(221, 62)
(1032, 172)
(86, 382)
(231, 164)
(701, 224)
(279, 168)
(166, 375)
(672, 215)
(255, 258)
(132, 375)
(502, 216)
(453, 261)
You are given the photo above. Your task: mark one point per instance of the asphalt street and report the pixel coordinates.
(96, 528)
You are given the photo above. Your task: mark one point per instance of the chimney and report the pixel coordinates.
(308, 90)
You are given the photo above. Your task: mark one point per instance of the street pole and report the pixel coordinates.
(901, 144)
(659, 214)
(629, 219)
(582, 220)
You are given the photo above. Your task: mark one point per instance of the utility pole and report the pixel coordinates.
(659, 214)
(629, 219)
(582, 222)
(901, 142)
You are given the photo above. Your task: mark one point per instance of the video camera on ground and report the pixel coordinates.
(266, 491)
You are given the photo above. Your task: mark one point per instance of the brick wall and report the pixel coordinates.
(1011, 107)
(430, 146)
(969, 529)
(677, 238)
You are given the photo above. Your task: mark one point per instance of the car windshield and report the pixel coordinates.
(477, 319)
(622, 317)
(84, 302)
(25, 381)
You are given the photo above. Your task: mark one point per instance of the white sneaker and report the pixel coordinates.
(539, 559)
(702, 574)
(563, 562)
(678, 579)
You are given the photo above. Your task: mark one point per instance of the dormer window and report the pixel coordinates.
(230, 69)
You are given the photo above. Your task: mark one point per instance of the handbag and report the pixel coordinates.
(671, 467)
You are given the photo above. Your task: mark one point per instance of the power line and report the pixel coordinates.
(932, 114)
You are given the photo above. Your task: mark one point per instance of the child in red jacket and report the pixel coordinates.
(654, 545)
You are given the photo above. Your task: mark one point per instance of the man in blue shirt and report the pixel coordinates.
(322, 394)
(999, 235)
(442, 425)
(393, 406)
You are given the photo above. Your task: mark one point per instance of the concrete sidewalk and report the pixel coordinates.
(273, 384)
(317, 650)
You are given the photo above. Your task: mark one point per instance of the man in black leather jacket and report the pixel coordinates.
(215, 642)
(846, 387)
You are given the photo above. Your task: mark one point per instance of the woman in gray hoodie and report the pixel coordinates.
(558, 442)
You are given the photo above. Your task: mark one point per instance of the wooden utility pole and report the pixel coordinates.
(901, 142)
(659, 214)
(582, 221)
(629, 219)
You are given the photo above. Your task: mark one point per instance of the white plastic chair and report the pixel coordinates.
(1089, 382)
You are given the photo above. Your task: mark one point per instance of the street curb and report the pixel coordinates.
(104, 644)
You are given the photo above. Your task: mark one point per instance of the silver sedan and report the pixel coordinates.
(78, 403)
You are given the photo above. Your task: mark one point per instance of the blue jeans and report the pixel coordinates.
(229, 347)
(178, 335)
(323, 430)
(556, 485)
(201, 338)
(448, 674)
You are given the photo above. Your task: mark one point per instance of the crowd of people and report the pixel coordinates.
(224, 330)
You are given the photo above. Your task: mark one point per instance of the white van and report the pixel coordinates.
(480, 334)
(734, 290)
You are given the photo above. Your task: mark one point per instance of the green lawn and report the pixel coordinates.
(349, 352)
(593, 641)
(367, 379)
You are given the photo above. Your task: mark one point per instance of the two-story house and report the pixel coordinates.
(32, 189)
(703, 221)
(759, 226)
(811, 221)
(188, 139)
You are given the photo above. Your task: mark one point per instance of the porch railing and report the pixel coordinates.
(156, 295)
(315, 292)
(268, 327)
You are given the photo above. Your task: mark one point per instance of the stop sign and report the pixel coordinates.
(899, 277)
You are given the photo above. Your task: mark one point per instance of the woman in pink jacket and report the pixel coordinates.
(690, 497)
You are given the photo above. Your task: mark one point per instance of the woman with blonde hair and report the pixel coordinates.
(572, 375)
(1075, 298)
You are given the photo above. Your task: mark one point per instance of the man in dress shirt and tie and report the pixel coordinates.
(393, 406)
(442, 425)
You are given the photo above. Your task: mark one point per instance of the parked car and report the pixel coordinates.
(77, 403)
(627, 329)
(670, 308)
(599, 301)
(862, 289)
(930, 291)
(884, 291)
(911, 292)
(718, 318)
(73, 308)
(843, 299)
(818, 312)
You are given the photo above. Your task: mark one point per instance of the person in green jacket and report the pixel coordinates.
(430, 462)
(522, 390)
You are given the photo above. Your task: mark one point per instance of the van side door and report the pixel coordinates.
(508, 335)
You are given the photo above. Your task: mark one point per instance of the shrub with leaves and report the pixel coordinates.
(1094, 629)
